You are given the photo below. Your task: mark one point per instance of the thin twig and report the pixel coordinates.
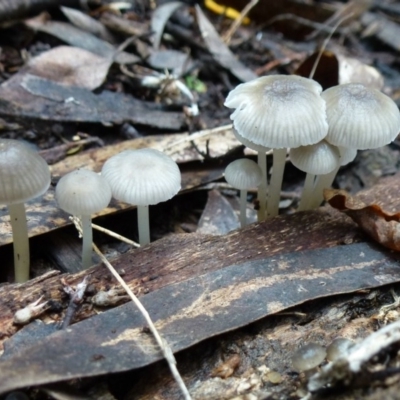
(115, 235)
(238, 21)
(165, 349)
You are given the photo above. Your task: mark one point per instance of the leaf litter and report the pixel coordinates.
(381, 278)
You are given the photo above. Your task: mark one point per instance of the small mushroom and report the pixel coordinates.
(347, 155)
(316, 160)
(262, 162)
(83, 193)
(308, 357)
(24, 175)
(338, 348)
(243, 174)
(142, 177)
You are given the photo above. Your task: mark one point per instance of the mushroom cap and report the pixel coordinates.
(360, 117)
(83, 192)
(279, 111)
(308, 357)
(142, 177)
(250, 144)
(243, 174)
(347, 155)
(24, 174)
(318, 159)
(338, 348)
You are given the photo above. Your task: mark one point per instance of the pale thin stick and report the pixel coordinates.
(108, 232)
(115, 235)
(165, 349)
(238, 21)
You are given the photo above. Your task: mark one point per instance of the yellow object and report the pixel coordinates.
(223, 10)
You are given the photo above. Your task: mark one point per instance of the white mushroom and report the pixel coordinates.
(83, 193)
(24, 175)
(142, 177)
(243, 174)
(279, 112)
(316, 160)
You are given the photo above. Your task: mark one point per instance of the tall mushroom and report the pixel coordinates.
(142, 177)
(279, 112)
(83, 193)
(24, 175)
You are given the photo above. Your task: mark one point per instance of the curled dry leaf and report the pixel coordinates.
(87, 23)
(382, 226)
(70, 66)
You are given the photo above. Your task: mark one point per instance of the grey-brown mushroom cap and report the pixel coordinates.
(279, 111)
(24, 174)
(309, 356)
(360, 117)
(142, 177)
(243, 174)
(83, 192)
(318, 159)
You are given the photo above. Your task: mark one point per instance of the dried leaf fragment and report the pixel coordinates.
(377, 223)
(70, 66)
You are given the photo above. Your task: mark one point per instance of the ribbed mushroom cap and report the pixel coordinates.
(279, 111)
(360, 117)
(142, 177)
(318, 159)
(347, 155)
(249, 144)
(308, 357)
(24, 174)
(243, 174)
(83, 192)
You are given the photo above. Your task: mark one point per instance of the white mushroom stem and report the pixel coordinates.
(307, 195)
(87, 240)
(275, 186)
(262, 188)
(143, 225)
(322, 182)
(21, 241)
(243, 206)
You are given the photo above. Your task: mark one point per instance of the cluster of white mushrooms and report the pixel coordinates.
(322, 130)
(140, 177)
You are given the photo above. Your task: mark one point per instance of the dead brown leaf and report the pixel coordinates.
(70, 66)
(381, 225)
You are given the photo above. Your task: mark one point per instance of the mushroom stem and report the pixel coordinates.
(307, 194)
(143, 225)
(275, 186)
(262, 188)
(87, 239)
(322, 182)
(243, 204)
(20, 241)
